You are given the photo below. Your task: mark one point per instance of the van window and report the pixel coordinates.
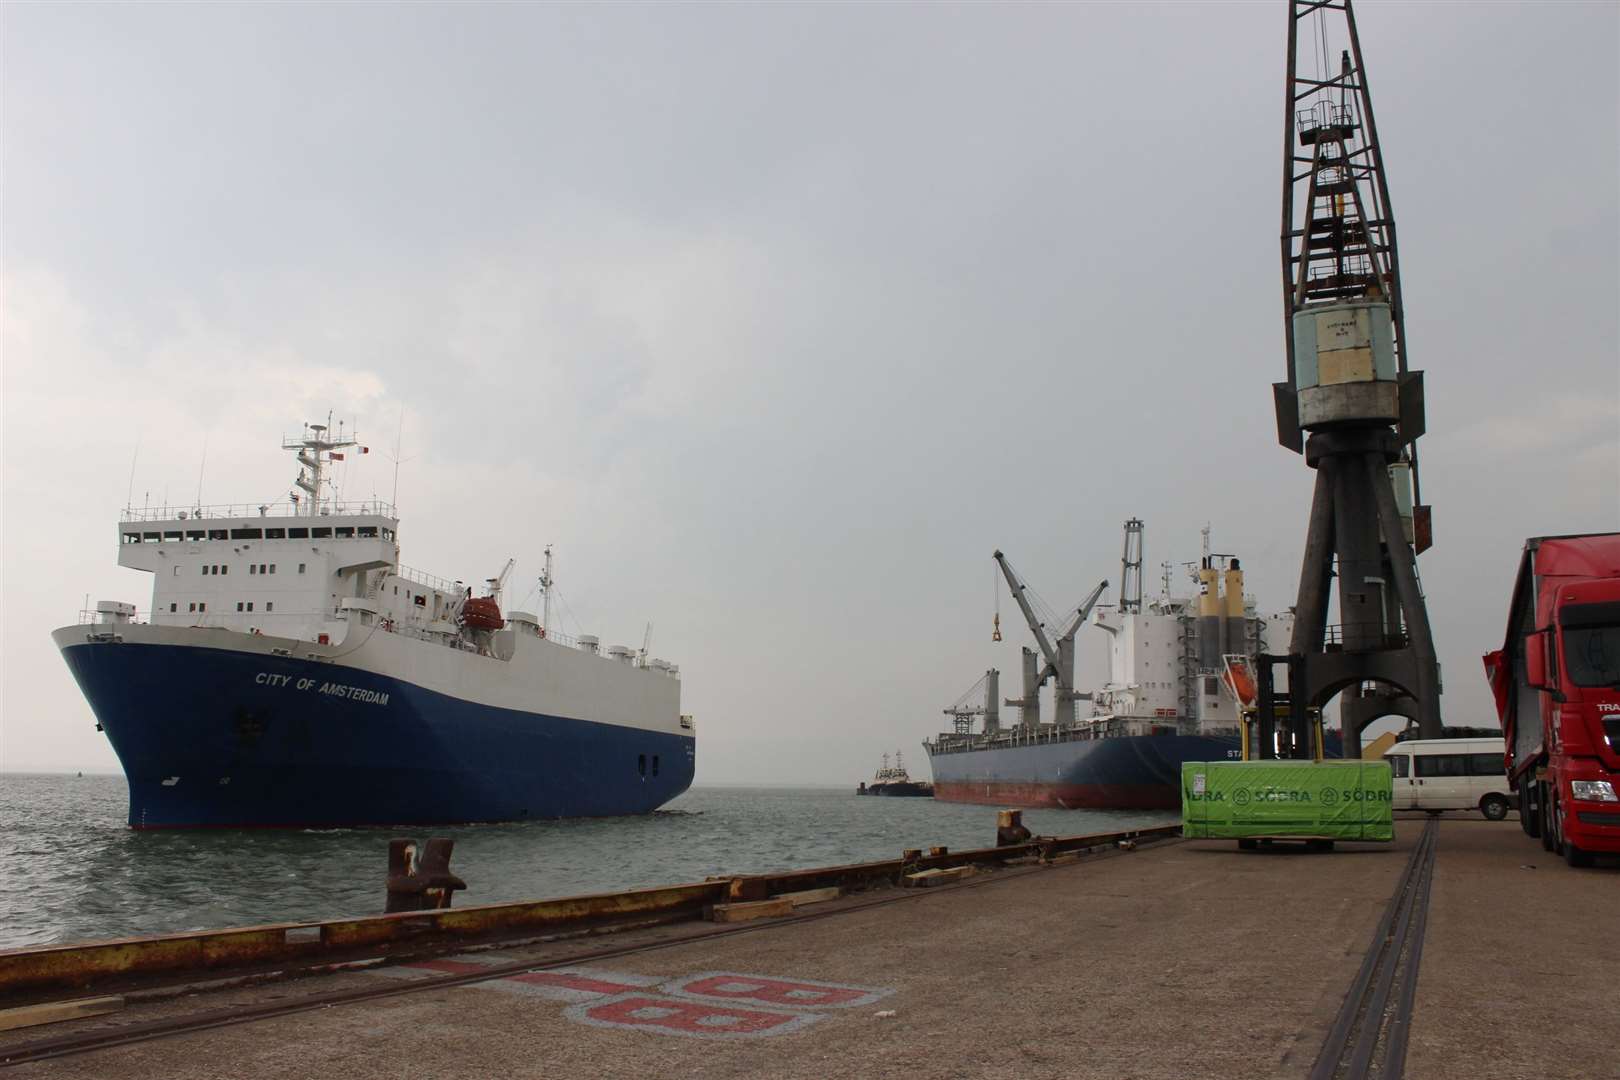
(1400, 764)
(1441, 764)
(1486, 765)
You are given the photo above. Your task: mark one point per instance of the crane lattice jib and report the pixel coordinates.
(1338, 228)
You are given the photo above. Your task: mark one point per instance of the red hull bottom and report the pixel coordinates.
(1064, 796)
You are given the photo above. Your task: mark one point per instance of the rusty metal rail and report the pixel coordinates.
(82, 966)
(25, 974)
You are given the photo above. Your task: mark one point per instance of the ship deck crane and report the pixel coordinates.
(1049, 649)
(498, 582)
(1059, 655)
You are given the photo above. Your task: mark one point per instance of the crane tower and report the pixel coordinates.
(1350, 403)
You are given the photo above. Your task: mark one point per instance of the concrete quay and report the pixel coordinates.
(1180, 958)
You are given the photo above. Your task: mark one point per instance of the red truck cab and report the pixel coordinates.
(1556, 679)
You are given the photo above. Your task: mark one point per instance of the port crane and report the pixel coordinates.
(1351, 405)
(1059, 656)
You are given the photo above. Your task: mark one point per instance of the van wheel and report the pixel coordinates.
(1494, 807)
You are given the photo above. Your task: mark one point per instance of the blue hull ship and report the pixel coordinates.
(291, 673)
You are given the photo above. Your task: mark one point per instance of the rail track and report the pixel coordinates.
(1368, 1038)
(144, 1031)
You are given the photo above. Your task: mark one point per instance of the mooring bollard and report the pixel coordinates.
(425, 886)
(1010, 828)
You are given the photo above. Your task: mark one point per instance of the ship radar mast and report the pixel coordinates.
(315, 453)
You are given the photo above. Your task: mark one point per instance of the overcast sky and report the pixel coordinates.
(776, 320)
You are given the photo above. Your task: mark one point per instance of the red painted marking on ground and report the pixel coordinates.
(687, 1017)
(772, 991)
(451, 967)
(574, 982)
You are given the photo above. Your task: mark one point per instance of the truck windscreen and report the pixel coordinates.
(1592, 643)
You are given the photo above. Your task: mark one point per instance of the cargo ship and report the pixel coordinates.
(1164, 702)
(894, 780)
(291, 672)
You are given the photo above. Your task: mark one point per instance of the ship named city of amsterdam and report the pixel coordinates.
(292, 673)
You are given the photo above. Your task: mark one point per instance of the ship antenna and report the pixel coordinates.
(129, 496)
(545, 593)
(399, 438)
(201, 467)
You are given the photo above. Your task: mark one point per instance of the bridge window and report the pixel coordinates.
(132, 538)
(320, 534)
(171, 536)
(151, 538)
(298, 534)
(367, 531)
(218, 534)
(388, 534)
(195, 534)
(275, 534)
(346, 532)
(247, 534)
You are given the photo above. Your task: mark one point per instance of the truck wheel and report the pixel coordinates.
(1248, 845)
(1544, 808)
(1529, 809)
(1494, 807)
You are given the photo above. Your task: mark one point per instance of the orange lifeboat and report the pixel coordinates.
(1239, 682)
(482, 613)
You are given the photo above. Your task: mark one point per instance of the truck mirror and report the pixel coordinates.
(1535, 659)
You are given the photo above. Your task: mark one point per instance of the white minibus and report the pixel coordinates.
(1451, 774)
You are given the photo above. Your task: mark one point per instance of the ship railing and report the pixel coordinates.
(432, 581)
(244, 621)
(328, 508)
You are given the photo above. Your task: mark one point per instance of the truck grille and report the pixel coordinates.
(1596, 817)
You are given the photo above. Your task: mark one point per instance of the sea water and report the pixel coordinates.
(72, 870)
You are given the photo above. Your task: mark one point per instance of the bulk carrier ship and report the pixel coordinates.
(1164, 702)
(291, 672)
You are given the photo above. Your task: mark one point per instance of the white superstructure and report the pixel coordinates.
(321, 578)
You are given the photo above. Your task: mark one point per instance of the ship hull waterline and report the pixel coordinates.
(1131, 772)
(1120, 773)
(208, 738)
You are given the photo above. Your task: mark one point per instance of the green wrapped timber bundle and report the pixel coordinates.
(1330, 800)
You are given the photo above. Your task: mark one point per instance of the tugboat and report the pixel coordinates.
(894, 780)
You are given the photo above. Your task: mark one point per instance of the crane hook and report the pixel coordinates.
(995, 634)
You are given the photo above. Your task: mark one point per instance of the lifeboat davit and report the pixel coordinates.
(482, 613)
